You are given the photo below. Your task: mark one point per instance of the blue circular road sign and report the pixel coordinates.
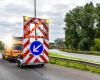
(36, 48)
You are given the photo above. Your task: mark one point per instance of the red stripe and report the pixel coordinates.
(27, 43)
(36, 60)
(43, 58)
(36, 25)
(45, 34)
(41, 31)
(30, 21)
(46, 27)
(46, 44)
(26, 32)
(26, 53)
(26, 27)
(36, 36)
(39, 19)
(45, 52)
(29, 59)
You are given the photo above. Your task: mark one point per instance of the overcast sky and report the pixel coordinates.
(12, 12)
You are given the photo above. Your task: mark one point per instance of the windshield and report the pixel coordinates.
(17, 47)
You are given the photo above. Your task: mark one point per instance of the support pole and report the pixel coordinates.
(35, 15)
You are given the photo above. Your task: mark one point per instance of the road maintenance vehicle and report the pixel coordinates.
(35, 42)
(13, 49)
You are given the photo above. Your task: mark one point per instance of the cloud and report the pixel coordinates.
(12, 12)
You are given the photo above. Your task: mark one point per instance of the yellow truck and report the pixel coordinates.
(11, 53)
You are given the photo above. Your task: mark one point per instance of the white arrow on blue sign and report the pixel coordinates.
(36, 48)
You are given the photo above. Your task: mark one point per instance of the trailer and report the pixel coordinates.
(35, 42)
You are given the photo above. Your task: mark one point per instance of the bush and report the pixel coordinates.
(96, 46)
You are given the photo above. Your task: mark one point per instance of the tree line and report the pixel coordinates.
(1, 45)
(82, 26)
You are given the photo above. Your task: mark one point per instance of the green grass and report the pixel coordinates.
(71, 63)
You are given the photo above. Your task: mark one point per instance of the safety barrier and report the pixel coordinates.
(85, 63)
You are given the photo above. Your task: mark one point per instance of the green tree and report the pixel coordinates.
(72, 27)
(87, 27)
(97, 34)
(79, 27)
(1, 45)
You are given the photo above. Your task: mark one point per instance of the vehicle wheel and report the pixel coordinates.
(19, 64)
(9, 60)
(3, 57)
(41, 65)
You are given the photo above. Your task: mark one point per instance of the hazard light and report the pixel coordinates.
(8, 40)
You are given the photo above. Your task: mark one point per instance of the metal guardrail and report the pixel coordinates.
(77, 61)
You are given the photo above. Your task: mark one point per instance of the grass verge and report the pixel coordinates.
(72, 64)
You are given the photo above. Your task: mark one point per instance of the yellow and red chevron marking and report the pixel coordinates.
(27, 56)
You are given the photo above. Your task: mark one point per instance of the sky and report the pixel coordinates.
(12, 12)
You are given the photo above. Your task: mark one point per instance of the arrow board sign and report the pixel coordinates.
(36, 48)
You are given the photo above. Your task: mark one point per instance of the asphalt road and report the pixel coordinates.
(83, 56)
(9, 71)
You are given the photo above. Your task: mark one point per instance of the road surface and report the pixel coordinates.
(83, 56)
(9, 71)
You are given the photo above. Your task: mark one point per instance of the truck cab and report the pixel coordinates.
(12, 53)
(15, 52)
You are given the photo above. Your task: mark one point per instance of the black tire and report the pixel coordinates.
(41, 65)
(3, 57)
(18, 63)
(9, 60)
(21, 66)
